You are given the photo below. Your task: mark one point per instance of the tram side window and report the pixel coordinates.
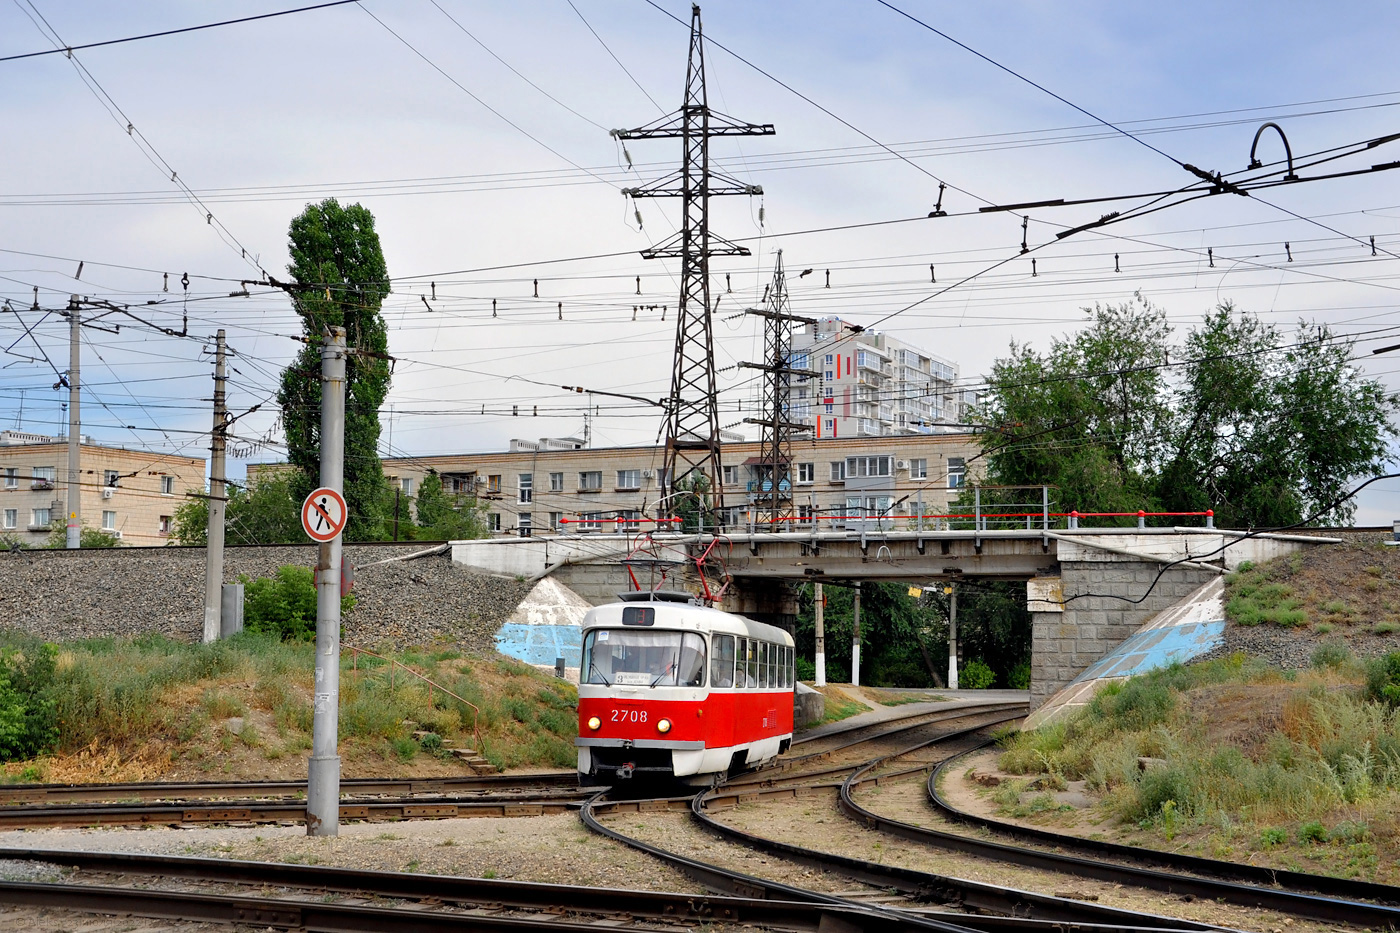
(722, 661)
(741, 649)
(763, 651)
(753, 663)
(773, 665)
(791, 679)
(782, 666)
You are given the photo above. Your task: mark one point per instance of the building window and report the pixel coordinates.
(556, 519)
(493, 484)
(806, 473)
(591, 481)
(957, 472)
(165, 524)
(524, 524)
(527, 490)
(40, 518)
(829, 376)
(41, 478)
(867, 466)
(556, 482)
(109, 521)
(590, 521)
(829, 358)
(11, 517)
(804, 515)
(838, 471)
(11, 477)
(629, 479)
(918, 469)
(407, 483)
(731, 475)
(495, 520)
(110, 477)
(629, 520)
(167, 485)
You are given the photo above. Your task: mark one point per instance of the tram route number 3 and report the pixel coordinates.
(629, 715)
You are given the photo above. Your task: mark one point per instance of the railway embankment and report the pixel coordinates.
(129, 592)
(1282, 749)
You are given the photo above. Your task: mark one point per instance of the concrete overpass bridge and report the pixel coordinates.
(1088, 590)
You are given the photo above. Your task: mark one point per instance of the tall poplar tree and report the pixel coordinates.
(339, 279)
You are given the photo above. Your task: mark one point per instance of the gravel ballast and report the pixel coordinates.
(125, 592)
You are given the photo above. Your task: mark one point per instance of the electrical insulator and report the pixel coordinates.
(515, 411)
(537, 288)
(636, 212)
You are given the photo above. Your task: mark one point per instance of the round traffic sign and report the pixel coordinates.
(323, 514)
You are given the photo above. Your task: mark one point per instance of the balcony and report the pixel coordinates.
(41, 484)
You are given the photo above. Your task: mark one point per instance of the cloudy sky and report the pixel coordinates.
(478, 135)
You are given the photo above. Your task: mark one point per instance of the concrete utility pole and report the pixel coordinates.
(952, 636)
(819, 605)
(74, 537)
(323, 776)
(855, 637)
(214, 549)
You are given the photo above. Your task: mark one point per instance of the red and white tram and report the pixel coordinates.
(668, 688)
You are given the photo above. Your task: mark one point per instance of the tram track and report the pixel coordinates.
(1342, 900)
(997, 907)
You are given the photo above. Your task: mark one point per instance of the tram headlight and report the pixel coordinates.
(663, 726)
(595, 723)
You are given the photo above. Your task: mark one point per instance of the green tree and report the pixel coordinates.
(263, 512)
(1268, 433)
(446, 517)
(691, 503)
(87, 537)
(1234, 419)
(340, 279)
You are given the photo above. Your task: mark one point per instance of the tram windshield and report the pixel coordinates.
(649, 659)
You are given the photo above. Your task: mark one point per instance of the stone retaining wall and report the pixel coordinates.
(1064, 643)
(133, 591)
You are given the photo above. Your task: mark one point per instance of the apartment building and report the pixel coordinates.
(557, 486)
(868, 384)
(129, 493)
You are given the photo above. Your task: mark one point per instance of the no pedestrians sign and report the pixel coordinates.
(323, 514)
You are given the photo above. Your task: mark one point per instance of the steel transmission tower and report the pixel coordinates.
(774, 503)
(692, 430)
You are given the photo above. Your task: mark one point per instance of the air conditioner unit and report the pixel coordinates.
(901, 464)
(115, 534)
(107, 492)
(648, 474)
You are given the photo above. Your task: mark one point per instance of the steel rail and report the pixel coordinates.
(275, 913)
(973, 895)
(525, 895)
(1295, 904)
(1292, 881)
(156, 790)
(1011, 908)
(250, 811)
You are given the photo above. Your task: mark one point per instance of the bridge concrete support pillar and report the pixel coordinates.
(1103, 603)
(767, 600)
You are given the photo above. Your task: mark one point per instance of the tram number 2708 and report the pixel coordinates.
(629, 715)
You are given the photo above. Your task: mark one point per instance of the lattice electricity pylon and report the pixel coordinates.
(692, 429)
(773, 504)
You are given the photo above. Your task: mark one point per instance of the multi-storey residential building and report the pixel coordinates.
(868, 384)
(131, 494)
(557, 486)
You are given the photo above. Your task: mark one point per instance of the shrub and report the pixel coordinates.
(1020, 676)
(1313, 832)
(1273, 836)
(28, 710)
(806, 670)
(1383, 679)
(976, 675)
(1330, 654)
(285, 604)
